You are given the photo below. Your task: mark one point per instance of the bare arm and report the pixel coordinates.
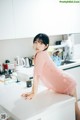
(35, 84)
(39, 63)
(31, 94)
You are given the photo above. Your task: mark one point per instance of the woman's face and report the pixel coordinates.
(39, 46)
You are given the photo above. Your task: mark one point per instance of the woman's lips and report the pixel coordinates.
(37, 49)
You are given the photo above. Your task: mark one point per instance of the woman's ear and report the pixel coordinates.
(47, 45)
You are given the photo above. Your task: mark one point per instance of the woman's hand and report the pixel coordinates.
(31, 94)
(28, 96)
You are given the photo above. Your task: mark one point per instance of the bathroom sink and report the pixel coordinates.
(67, 62)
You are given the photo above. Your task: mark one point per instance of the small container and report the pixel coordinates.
(29, 83)
(5, 66)
(58, 42)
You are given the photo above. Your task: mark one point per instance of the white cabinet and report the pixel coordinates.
(48, 16)
(75, 73)
(6, 20)
(57, 112)
(26, 18)
(46, 105)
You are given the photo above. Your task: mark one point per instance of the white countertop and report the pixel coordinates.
(76, 63)
(21, 109)
(29, 71)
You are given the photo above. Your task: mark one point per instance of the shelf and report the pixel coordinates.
(59, 46)
(51, 48)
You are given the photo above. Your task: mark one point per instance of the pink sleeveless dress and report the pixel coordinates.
(51, 76)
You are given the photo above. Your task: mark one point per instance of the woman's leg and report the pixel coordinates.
(77, 111)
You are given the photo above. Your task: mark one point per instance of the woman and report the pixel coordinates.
(46, 70)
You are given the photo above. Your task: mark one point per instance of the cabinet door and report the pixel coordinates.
(58, 112)
(26, 18)
(61, 113)
(75, 73)
(47, 16)
(23, 15)
(6, 19)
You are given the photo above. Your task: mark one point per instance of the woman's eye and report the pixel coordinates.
(40, 42)
(35, 42)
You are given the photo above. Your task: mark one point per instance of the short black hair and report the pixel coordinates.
(42, 38)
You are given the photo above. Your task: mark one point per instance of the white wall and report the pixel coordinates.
(76, 52)
(9, 49)
(76, 47)
(76, 38)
